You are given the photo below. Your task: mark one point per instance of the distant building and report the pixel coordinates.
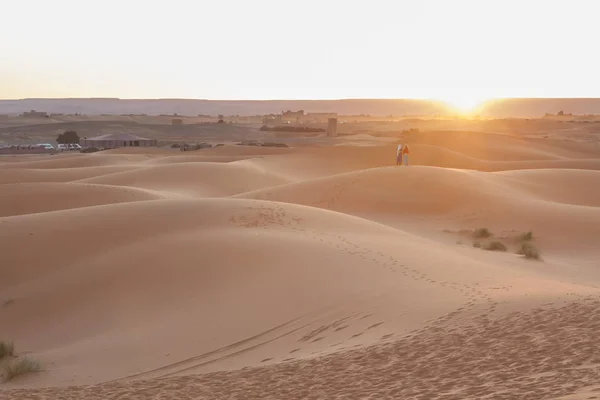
(318, 118)
(34, 114)
(116, 140)
(332, 127)
(272, 120)
(292, 117)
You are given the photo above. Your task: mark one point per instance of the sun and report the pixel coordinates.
(464, 103)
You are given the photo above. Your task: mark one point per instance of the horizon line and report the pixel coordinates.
(301, 99)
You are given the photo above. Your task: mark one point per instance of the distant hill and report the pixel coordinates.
(522, 108)
(191, 107)
(537, 108)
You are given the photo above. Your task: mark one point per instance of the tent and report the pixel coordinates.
(114, 140)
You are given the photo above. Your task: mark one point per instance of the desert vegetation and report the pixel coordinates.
(19, 366)
(496, 245)
(7, 302)
(526, 248)
(482, 233)
(522, 243)
(12, 366)
(68, 137)
(6, 349)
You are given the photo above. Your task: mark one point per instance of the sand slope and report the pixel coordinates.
(187, 276)
(25, 175)
(521, 200)
(24, 198)
(195, 179)
(316, 272)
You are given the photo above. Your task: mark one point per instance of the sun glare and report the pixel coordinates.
(464, 103)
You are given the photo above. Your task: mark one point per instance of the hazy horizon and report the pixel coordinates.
(463, 53)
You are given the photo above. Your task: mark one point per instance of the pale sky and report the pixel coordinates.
(461, 51)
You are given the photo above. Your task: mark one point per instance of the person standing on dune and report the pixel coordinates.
(399, 155)
(405, 152)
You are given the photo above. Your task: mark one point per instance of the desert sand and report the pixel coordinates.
(321, 272)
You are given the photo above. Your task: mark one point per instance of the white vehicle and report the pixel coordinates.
(69, 146)
(46, 146)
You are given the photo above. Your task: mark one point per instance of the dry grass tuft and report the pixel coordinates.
(529, 251)
(496, 246)
(7, 302)
(482, 233)
(526, 237)
(20, 366)
(7, 349)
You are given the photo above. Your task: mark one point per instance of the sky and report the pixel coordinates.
(460, 51)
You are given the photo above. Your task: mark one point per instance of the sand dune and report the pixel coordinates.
(154, 278)
(195, 158)
(80, 160)
(207, 179)
(520, 200)
(318, 162)
(501, 147)
(578, 187)
(24, 175)
(310, 272)
(187, 276)
(24, 198)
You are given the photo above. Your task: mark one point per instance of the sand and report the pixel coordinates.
(303, 273)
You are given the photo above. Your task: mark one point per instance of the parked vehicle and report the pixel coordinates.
(69, 146)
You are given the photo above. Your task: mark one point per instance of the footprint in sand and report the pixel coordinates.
(266, 359)
(375, 325)
(293, 351)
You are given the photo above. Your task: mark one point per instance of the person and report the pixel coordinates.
(405, 152)
(399, 155)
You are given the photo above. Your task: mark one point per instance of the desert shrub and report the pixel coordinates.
(20, 366)
(526, 236)
(272, 144)
(6, 349)
(529, 251)
(203, 145)
(482, 233)
(7, 302)
(90, 150)
(496, 246)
